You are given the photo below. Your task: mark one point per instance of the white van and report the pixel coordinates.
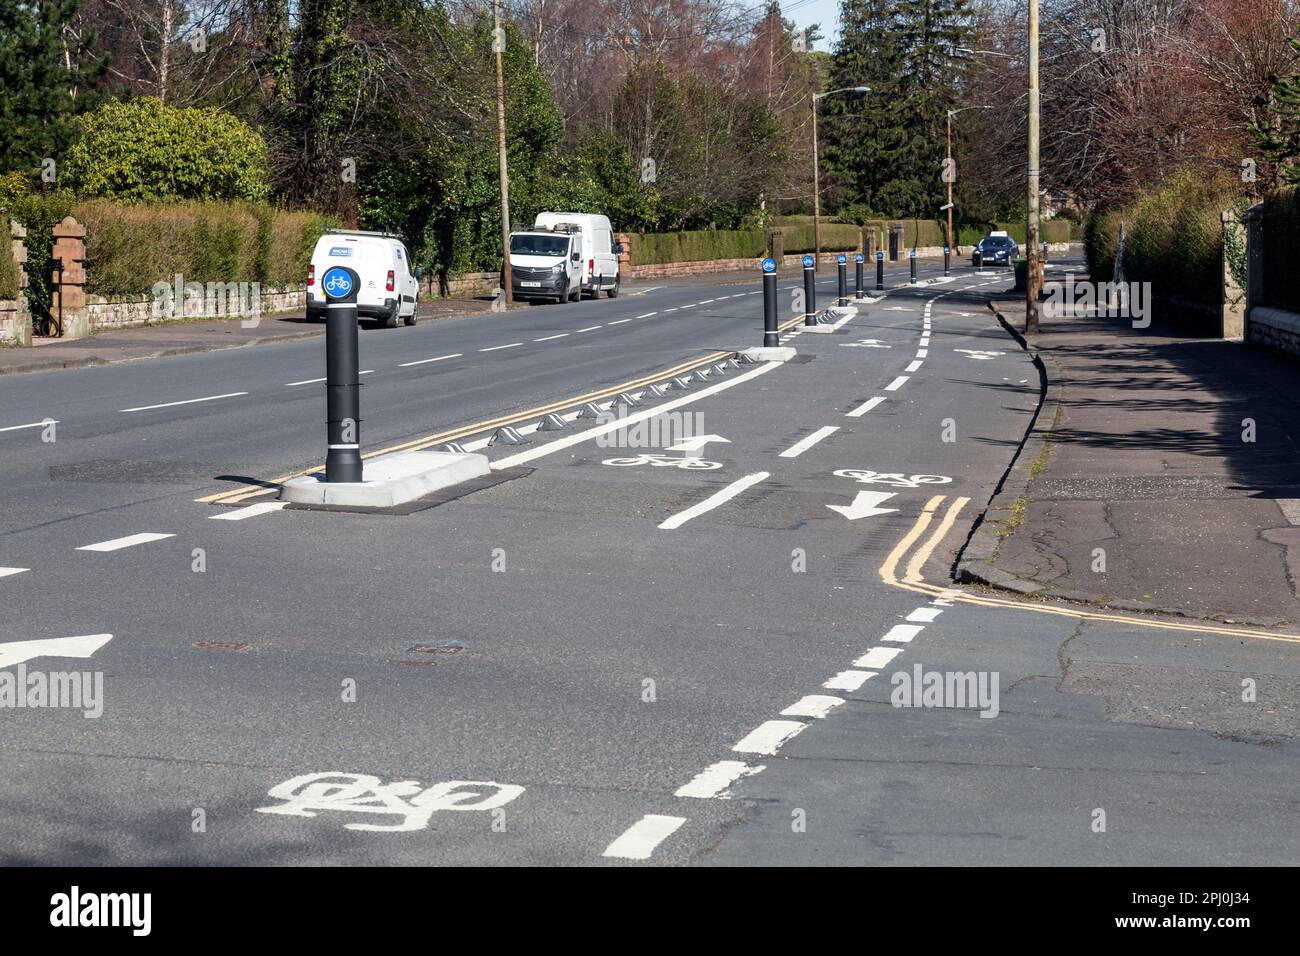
(597, 264)
(389, 289)
(546, 264)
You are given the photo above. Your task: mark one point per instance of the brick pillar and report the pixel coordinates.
(624, 257)
(776, 242)
(70, 248)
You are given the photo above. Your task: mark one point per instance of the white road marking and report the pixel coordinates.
(866, 406)
(673, 309)
(697, 442)
(865, 504)
(902, 633)
(690, 306)
(14, 428)
(924, 615)
(912, 367)
(922, 353)
(707, 301)
(643, 837)
(877, 657)
(252, 511)
(551, 337)
(849, 680)
(714, 500)
(768, 737)
(620, 321)
(366, 372)
(896, 384)
(590, 328)
(188, 401)
(497, 348)
(803, 444)
(427, 361)
(714, 781)
(647, 315)
(6, 572)
(814, 705)
(305, 381)
(129, 541)
(15, 652)
(569, 441)
(925, 341)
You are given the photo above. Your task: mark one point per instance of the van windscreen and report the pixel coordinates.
(530, 245)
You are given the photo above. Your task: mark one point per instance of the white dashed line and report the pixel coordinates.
(590, 328)
(643, 837)
(707, 301)
(129, 541)
(251, 511)
(768, 737)
(427, 361)
(924, 615)
(188, 401)
(814, 705)
(551, 337)
(865, 407)
(913, 366)
(647, 315)
(6, 572)
(896, 384)
(620, 321)
(497, 348)
(902, 633)
(849, 680)
(305, 381)
(714, 781)
(14, 428)
(714, 500)
(877, 657)
(803, 444)
(922, 353)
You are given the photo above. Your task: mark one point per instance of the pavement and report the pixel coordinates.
(1163, 474)
(688, 636)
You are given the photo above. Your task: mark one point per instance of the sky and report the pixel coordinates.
(825, 13)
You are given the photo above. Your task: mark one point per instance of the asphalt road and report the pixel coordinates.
(593, 661)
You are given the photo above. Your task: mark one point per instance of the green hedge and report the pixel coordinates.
(8, 267)
(129, 248)
(1174, 238)
(836, 237)
(657, 248)
(1281, 241)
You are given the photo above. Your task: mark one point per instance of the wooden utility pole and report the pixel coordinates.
(498, 46)
(1032, 286)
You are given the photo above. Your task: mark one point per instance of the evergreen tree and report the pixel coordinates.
(45, 72)
(1281, 140)
(884, 150)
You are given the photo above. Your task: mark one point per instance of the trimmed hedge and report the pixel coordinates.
(658, 248)
(1281, 241)
(129, 248)
(836, 237)
(8, 269)
(1174, 238)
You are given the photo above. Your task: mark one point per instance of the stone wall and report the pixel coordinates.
(1274, 329)
(131, 312)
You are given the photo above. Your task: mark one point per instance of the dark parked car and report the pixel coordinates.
(997, 248)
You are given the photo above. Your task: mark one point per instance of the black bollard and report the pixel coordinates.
(809, 291)
(771, 337)
(843, 297)
(880, 271)
(946, 252)
(857, 276)
(911, 257)
(342, 388)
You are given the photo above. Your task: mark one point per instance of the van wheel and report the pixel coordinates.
(564, 292)
(394, 319)
(576, 294)
(410, 319)
(613, 293)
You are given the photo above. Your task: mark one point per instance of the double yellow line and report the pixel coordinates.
(237, 495)
(913, 580)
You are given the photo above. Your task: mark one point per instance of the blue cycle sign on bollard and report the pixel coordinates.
(807, 262)
(338, 283)
(842, 259)
(769, 265)
(858, 257)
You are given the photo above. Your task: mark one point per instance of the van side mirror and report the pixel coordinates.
(576, 257)
(618, 248)
(419, 271)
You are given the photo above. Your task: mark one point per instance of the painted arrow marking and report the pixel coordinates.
(16, 652)
(982, 355)
(696, 443)
(865, 344)
(865, 505)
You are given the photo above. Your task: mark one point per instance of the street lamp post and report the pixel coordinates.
(817, 192)
(498, 45)
(1032, 288)
(951, 176)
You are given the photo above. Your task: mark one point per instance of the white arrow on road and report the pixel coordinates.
(864, 344)
(865, 505)
(16, 652)
(696, 443)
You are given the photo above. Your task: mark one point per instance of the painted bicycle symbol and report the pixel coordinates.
(689, 463)
(892, 479)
